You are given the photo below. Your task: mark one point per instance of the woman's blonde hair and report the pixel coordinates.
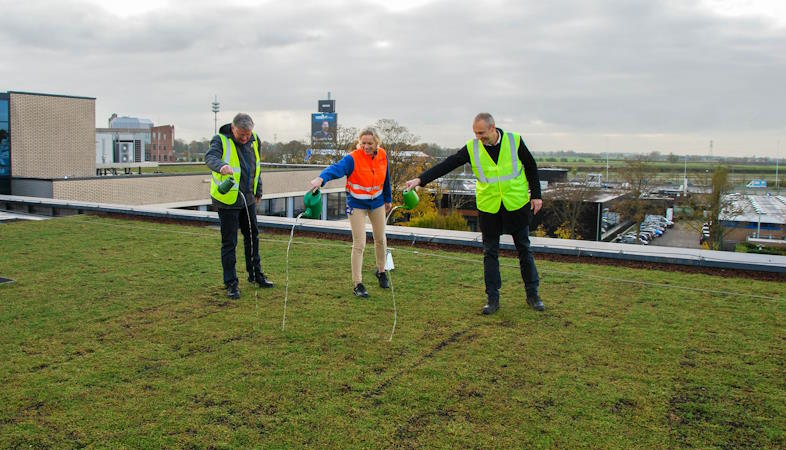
(369, 132)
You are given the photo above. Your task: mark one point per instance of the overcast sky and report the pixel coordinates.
(601, 75)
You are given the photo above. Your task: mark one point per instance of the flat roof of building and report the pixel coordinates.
(51, 95)
(755, 208)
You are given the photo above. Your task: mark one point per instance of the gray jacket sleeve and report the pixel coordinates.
(214, 157)
(259, 181)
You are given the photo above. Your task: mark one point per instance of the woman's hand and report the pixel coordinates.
(388, 206)
(316, 183)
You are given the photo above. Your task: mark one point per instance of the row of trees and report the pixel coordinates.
(395, 138)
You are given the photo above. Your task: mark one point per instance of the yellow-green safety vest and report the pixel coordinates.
(498, 183)
(230, 157)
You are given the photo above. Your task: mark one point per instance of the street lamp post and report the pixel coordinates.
(215, 107)
(685, 178)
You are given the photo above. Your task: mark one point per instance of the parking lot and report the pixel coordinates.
(683, 234)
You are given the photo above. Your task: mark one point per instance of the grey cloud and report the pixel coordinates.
(576, 67)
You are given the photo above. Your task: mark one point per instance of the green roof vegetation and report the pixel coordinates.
(117, 333)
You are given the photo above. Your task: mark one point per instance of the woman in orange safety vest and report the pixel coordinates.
(368, 195)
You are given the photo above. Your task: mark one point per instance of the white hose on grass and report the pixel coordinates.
(286, 289)
(256, 290)
(390, 277)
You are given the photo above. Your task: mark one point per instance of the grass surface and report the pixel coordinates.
(118, 334)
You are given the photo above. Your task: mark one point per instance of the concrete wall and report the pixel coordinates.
(32, 188)
(52, 136)
(153, 189)
(735, 235)
(293, 181)
(132, 190)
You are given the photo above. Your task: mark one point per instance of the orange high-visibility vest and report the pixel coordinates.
(368, 178)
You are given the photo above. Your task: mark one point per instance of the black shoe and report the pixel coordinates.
(383, 280)
(491, 307)
(261, 280)
(360, 291)
(535, 302)
(233, 291)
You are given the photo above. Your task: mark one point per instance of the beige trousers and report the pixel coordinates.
(357, 220)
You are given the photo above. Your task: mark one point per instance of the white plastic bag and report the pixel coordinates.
(389, 261)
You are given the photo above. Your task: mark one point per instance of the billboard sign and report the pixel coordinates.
(327, 106)
(323, 130)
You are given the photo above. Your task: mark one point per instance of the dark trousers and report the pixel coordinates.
(231, 220)
(529, 273)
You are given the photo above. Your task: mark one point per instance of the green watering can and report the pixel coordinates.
(313, 203)
(410, 199)
(226, 185)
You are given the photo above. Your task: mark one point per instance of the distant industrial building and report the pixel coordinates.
(124, 146)
(130, 141)
(553, 175)
(749, 217)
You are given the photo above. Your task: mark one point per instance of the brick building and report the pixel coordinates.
(162, 142)
(48, 136)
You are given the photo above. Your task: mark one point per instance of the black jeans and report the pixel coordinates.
(231, 220)
(529, 273)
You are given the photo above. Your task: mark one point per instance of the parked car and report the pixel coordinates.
(655, 231)
(662, 219)
(628, 239)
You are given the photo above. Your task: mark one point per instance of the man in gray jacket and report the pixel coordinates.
(234, 154)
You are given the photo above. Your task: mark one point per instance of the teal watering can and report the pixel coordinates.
(313, 203)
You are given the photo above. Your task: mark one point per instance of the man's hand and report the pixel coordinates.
(412, 184)
(536, 204)
(226, 170)
(258, 200)
(316, 183)
(388, 206)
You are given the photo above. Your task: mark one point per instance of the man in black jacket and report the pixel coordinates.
(492, 225)
(237, 142)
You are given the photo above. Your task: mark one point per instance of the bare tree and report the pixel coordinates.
(346, 138)
(567, 206)
(396, 139)
(714, 205)
(636, 172)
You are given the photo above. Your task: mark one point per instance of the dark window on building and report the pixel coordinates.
(298, 205)
(273, 207)
(337, 206)
(5, 147)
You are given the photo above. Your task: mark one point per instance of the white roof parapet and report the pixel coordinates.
(662, 255)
